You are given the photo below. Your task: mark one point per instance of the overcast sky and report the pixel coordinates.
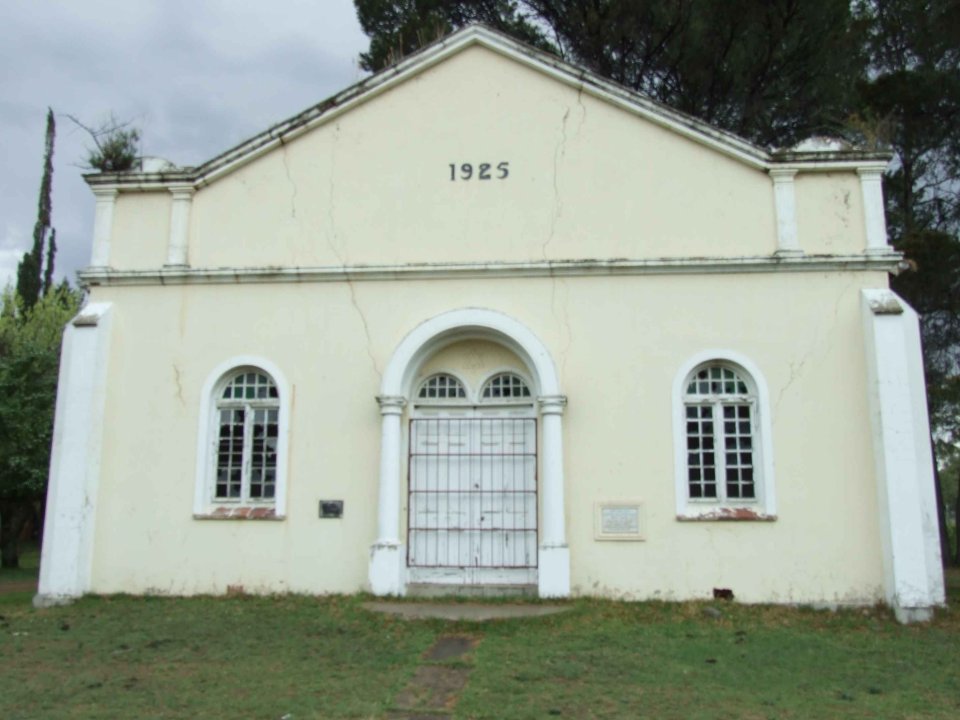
(196, 76)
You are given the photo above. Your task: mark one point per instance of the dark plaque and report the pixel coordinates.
(331, 509)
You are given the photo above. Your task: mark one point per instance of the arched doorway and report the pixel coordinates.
(455, 450)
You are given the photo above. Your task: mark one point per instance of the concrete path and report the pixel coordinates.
(475, 612)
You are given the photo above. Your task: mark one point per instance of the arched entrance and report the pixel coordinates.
(458, 547)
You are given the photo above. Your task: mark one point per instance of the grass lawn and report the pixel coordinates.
(300, 657)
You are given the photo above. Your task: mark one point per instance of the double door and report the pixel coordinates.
(472, 504)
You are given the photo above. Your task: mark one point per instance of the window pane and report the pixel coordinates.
(506, 385)
(229, 453)
(442, 386)
(700, 458)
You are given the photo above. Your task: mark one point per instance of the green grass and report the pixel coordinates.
(266, 657)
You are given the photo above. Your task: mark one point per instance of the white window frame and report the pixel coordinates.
(417, 400)
(205, 504)
(763, 506)
(488, 378)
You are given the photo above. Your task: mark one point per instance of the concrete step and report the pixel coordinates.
(433, 590)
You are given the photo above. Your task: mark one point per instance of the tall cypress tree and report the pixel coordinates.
(32, 282)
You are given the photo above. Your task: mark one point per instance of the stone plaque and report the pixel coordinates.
(619, 521)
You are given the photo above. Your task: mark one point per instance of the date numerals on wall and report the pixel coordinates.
(480, 171)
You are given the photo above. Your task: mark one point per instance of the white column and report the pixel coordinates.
(871, 187)
(913, 574)
(784, 197)
(386, 555)
(554, 565)
(67, 555)
(178, 243)
(103, 225)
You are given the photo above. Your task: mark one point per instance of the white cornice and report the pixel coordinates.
(443, 271)
(575, 77)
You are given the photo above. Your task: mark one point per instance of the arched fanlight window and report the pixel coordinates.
(247, 413)
(442, 387)
(720, 435)
(505, 386)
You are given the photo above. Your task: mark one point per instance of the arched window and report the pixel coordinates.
(720, 432)
(723, 448)
(442, 386)
(241, 465)
(505, 386)
(248, 415)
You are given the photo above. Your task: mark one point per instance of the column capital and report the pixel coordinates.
(105, 192)
(391, 404)
(183, 192)
(782, 174)
(870, 173)
(552, 404)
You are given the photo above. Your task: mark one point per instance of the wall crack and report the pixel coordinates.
(331, 236)
(293, 185)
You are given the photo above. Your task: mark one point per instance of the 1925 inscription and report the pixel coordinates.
(480, 171)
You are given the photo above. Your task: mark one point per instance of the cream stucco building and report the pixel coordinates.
(486, 320)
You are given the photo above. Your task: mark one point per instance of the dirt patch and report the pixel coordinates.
(17, 586)
(434, 689)
(451, 646)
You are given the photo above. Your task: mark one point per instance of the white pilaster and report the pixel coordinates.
(913, 574)
(785, 203)
(554, 560)
(67, 554)
(871, 187)
(178, 244)
(106, 197)
(386, 555)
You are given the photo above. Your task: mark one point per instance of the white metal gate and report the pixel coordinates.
(473, 490)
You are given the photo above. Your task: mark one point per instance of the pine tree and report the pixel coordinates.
(32, 282)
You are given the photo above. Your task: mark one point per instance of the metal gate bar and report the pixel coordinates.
(472, 493)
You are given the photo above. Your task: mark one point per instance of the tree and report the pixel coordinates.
(912, 91)
(29, 360)
(886, 72)
(33, 278)
(773, 71)
(114, 145)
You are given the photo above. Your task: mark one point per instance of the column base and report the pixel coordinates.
(45, 600)
(386, 569)
(553, 573)
(907, 615)
(789, 252)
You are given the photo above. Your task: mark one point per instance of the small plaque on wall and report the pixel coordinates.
(331, 509)
(619, 521)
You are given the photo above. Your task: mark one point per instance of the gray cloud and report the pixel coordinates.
(197, 76)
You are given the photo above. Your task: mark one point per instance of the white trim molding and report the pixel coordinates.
(765, 507)
(913, 572)
(204, 504)
(66, 563)
(785, 204)
(886, 261)
(387, 572)
(179, 240)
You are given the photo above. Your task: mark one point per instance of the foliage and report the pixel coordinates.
(29, 362)
(913, 86)
(33, 278)
(399, 27)
(885, 73)
(328, 657)
(115, 145)
(774, 71)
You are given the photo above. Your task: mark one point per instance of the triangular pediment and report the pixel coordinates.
(558, 70)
